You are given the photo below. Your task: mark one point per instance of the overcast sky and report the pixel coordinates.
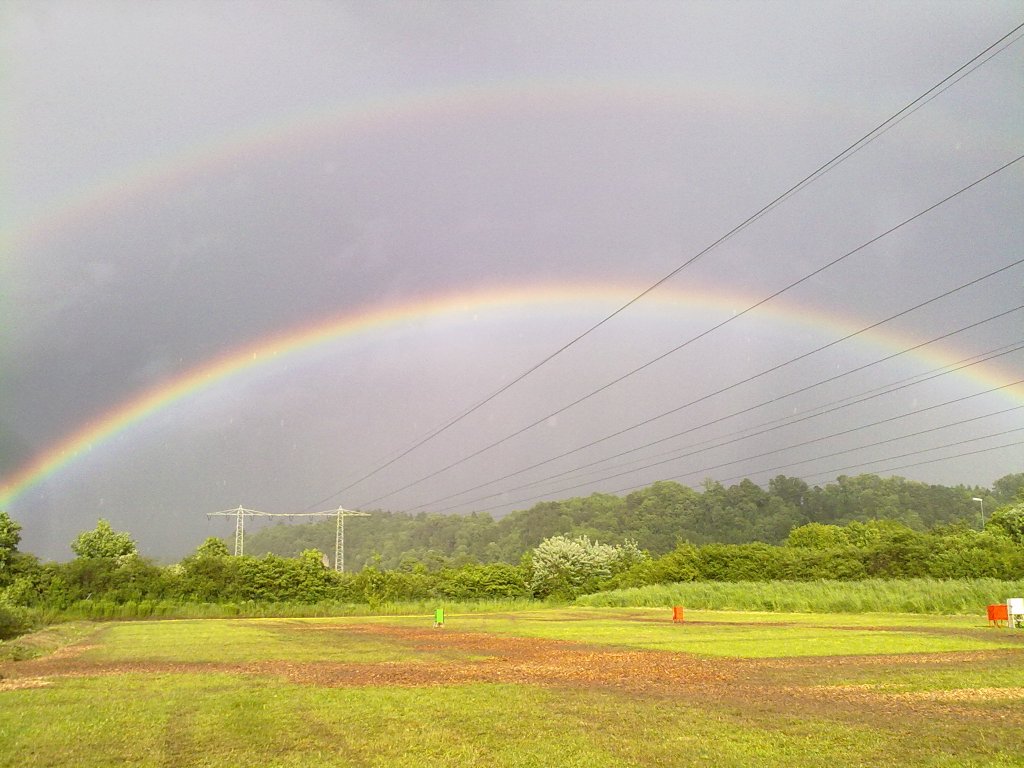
(183, 181)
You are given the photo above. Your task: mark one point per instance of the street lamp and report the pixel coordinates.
(982, 502)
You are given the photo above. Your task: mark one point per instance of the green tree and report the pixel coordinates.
(681, 564)
(898, 552)
(103, 541)
(818, 536)
(1009, 521)
(740, 562)
(791, 490)
(1008, 488)
(210, 578)
(212, 547)
(472, 582)
(10, 537)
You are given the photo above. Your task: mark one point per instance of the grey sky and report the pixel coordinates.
(184, 179)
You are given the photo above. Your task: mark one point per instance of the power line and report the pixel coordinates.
(881, 442)
(790, 420)
(770, 401)
(704, 446)
(749, 458)
(858, 447)
(944, 84)
(716, 327)
(832, 472)
(240, 513)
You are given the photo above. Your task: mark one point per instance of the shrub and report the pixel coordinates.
(14, 621)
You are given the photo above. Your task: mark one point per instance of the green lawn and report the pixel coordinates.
(739, 634)
(222, 720)
(885, 698)
(242, 640)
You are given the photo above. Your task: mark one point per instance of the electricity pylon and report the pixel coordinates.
(240, 513)
(339, 534)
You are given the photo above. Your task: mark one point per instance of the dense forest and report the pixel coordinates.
(657, 518)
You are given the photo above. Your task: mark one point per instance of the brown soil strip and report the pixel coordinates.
(19, 683)
(960, 694)
(492, 659)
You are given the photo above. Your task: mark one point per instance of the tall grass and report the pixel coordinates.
(931, 596)
(927, 596)
(16, 620)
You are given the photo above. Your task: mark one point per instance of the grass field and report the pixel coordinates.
(551, 687)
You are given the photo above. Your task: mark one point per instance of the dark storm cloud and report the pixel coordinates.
(577, 143)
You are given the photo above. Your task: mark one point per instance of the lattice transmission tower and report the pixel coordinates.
(240, 513)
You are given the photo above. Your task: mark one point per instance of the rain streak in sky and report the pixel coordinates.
(468, 256)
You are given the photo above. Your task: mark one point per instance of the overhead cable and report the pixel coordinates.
(565, 489)
(716, 327)
(770, 427)
(832, 472)
(740, 412)
(942, 85)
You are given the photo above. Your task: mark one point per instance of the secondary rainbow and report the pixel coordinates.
(366, 115)
(463, 100)
(366, 321)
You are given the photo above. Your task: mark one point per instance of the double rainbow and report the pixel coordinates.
(352, 119)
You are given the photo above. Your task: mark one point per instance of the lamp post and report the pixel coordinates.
(982, 502)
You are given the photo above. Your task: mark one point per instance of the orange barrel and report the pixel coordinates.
(998, 612)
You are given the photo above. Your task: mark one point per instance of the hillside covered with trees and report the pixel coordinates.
(657, 518)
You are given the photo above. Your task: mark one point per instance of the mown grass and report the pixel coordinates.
(928, 596)
(242, 640)
(704, 633)
(1001, 673)
(176, 719)
(740, 635)
(222, 720)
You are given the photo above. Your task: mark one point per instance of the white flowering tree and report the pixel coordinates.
(565, 567)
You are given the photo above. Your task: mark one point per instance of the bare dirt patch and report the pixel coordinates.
(72, 651)
(482, 657)
(19, 683)
(957, 695)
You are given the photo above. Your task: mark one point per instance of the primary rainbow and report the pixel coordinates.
(366, 321)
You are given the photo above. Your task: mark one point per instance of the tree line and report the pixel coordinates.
(657, 518)
(108, 578)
